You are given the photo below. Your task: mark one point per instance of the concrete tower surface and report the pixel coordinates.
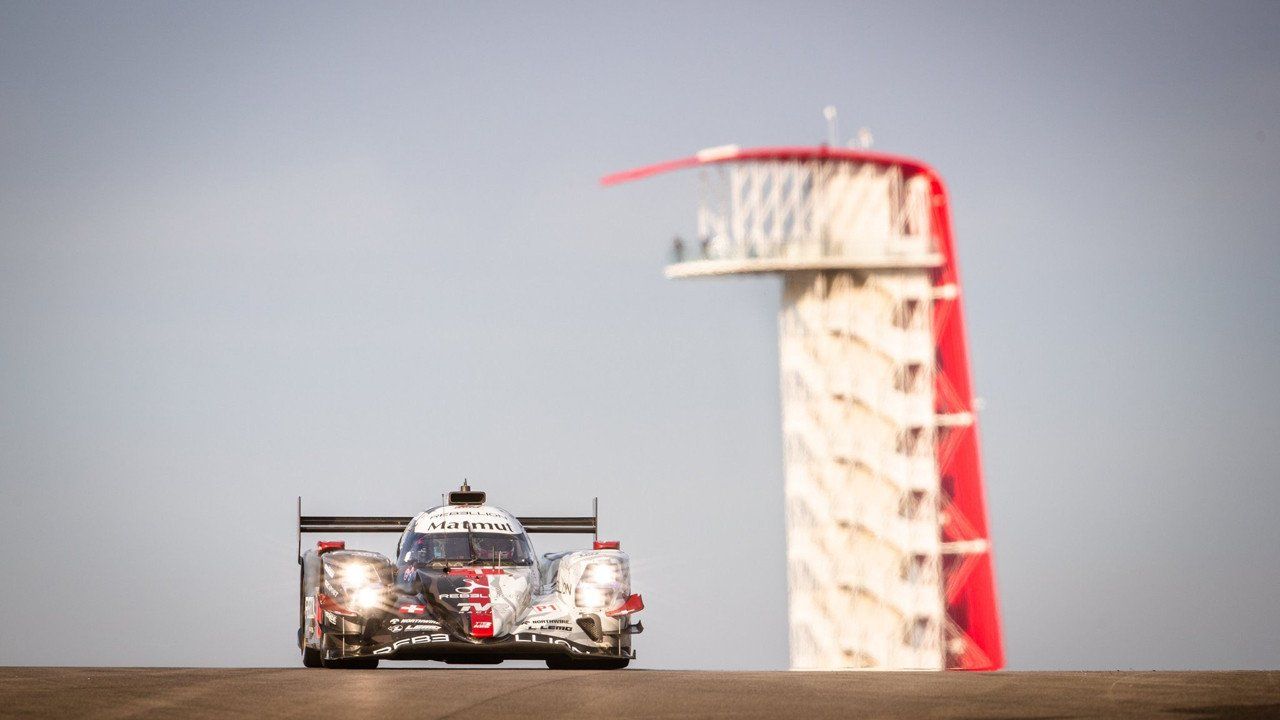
(888, 556)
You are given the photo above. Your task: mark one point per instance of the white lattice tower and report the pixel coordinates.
(853, 243)
(888, 551)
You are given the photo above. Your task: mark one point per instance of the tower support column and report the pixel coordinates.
(861, 481)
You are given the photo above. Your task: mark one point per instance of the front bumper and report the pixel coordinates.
(517, 646)
(416, 639)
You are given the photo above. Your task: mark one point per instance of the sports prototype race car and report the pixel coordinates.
(465, 587)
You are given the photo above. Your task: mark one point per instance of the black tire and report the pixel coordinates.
(344, 663)
(310, 656)
(588, 663)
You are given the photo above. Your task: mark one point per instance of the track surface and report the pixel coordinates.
(532, 694)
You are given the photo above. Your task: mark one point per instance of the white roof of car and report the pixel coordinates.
(461, 518)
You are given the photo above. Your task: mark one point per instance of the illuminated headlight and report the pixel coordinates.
(356, 575)
(600, 573)
(367, 598)
(587, 595)
(603, 584)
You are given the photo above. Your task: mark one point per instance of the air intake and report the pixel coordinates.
(466, 496)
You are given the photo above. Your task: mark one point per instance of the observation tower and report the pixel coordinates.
(888, 556)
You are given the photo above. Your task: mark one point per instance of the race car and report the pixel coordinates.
(465, 587)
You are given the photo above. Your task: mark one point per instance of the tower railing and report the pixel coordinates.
(799, 212)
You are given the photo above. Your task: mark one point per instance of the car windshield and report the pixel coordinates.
(469, 547)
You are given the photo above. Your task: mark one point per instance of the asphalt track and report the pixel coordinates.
(434, 692)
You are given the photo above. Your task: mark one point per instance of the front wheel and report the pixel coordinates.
(346, 663)
(310, 656)
(588, 663)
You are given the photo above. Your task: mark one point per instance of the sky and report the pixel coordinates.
(358, 252)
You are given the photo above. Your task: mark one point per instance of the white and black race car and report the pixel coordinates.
(465, 587)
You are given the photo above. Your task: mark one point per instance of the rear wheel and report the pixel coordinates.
(588, 663)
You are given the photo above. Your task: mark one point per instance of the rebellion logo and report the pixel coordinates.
(471, 586)
(476, 588)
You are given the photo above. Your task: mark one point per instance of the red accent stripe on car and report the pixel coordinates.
(324, 602)
(480, 621)
(634, 604)
(482, 625)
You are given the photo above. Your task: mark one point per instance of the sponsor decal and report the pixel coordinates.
(415, 626)
(475, 588)
(412, 609)
(546, 639)
(475, 585)
(552, 627)
(478, 608)
(455, 519)
(456, 525)
(449, 510)
(418, 640)
(482, 625)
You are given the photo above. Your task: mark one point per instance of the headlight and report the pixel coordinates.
(587, 595)
(600, 573)
(603, 584)
(367, 598)
(356, 575)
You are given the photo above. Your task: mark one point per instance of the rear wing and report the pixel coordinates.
(398, 523)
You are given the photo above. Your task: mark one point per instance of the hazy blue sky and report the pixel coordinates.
(358, 252)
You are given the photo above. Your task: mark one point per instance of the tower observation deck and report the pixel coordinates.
(888, 555)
